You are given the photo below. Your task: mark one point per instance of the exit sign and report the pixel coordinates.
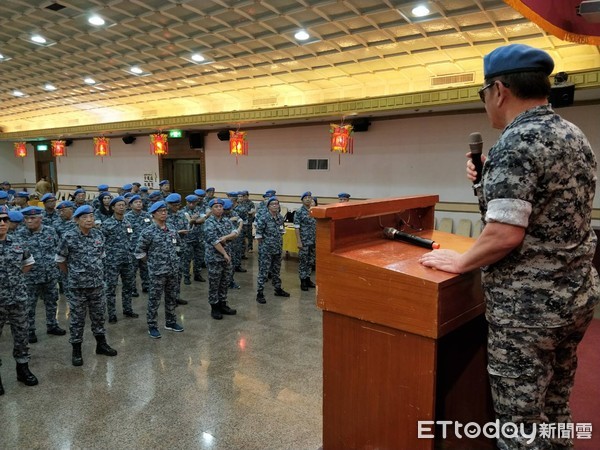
(175, 133)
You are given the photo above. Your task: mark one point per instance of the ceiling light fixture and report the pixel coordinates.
(302, 35)
(136, 70)
(96, 21)
(49, 87)
(198, 57)
(18, 93)
(38, 39)
(89, 80)
(420, 11)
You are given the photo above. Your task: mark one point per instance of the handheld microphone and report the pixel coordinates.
(476, 146)
(392, 233)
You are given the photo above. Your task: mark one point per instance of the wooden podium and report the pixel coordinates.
(402, 343)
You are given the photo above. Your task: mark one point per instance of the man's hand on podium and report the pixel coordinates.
(446, 260)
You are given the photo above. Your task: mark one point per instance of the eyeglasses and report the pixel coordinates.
(487, 86)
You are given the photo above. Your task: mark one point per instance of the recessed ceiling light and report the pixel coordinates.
(89, 80)
(197, 57)
(136, 70)
(38, 39)
(49, 87)
(1, 56)
(96, 20)
(420, 11)
(302, 35)
(17, 93)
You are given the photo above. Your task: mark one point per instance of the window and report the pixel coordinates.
(318, 164)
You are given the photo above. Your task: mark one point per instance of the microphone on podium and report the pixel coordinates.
(476, 146)
(392, 233)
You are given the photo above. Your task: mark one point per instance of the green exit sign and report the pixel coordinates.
(175, 133)
(41, 147)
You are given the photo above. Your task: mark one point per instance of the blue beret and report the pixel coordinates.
(516, 58)
(154, 194)
(15, 216)
(244, 192)
(144, 189)
(47, 196)
(135, 183)
(191, 198)
(3, 194)
(306, 194)
(127, 187)
(79, 191)
(163, 182)
(200, 192)
(271, 192)
(22, 194)
(233, 194)
(227, 204)
(272, 199)
(4, 209)
(82, 210)
(117, 199)
(134, 198)
(156, 206)
(32, 211)
(127, 195)
(210, 189)
(65, 204)
(103, 187)
(173, 198)
(104, 194)
(343, 195)
(216, 201)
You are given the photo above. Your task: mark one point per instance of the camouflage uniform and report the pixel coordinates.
(241, 213)
(13, 295)
(308, 235)
(42, 278)
(63, 226)
(84, 256)
(50, 220)
(245, 210)
(160, 247)
(540, 175)
(194, 243)
(138, 223)
(177, 221)
(219, 271)
(118, 246)
(271, 230)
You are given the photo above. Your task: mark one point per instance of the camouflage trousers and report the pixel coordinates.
(49, 293)
(111, 278)
(531, 373)
(141, 267)
(247, 238)
(268, 263)
(16, 316)
(219, 276)
(195, 253)
(82, 300)
(168, 284)
(237, 251)
(306, 257)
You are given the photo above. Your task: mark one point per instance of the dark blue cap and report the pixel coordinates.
(127, 187)
(117, 199)
(47, 197)
(233, 194)
(227, 204)
(343, 195)
(14, 216)
(163, 182)
(271, 192)
(156, 206)
(516, 58)
(306, 194)
(134, 198)
(127, 195)
(173, 198)
(216, 201)
(144, 189)
(191, 198)
(22, 194)
(104, 194)
(103, 187)
(154, 194)
(79, 191)
(272, 199)
(3, 195)
(65, 204)
(82, 210)
(135, 183)
(200, 192)
(244, 192)
(32, 211)
(210, 189)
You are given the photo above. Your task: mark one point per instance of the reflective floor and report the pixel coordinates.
(250, 381)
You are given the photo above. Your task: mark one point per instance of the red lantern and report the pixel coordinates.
(59, 148)
(21, 149)
(101, 146)
(159, 144)
(238, 145)
(341, 139)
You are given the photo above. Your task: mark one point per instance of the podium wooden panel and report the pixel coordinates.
(401, 342)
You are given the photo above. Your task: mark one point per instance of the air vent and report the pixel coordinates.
(318, 164)
(55, 6)
(459, 78)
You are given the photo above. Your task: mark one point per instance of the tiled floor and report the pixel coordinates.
(250, 381)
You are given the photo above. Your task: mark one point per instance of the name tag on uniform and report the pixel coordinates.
(174, 241)
(280, 227)
(146, 220)
(130, 230)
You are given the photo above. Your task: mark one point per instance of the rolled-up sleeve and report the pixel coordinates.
(509, 211)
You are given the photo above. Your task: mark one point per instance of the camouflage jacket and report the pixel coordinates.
(307, 225)
(118, 240)
(270, 229)
(42, 244)
(161, 247)
(214, 230)
(84, 256)
(14, 254)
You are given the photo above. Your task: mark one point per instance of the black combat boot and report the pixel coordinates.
(215, 312)
(281, 293)
(260, 297)
(24, 375)
(77, 359)
(199, 278)
(303, 284)
(102, 348)
(226, 309)
(1, 387)
(310, 284)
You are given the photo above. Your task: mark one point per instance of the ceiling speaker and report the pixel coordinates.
(361, 124)
(128, 139)
(68, 142)
(562, 95)
(196, 140)
(223, 135)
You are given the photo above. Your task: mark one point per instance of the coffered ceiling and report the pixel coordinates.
(357, 49)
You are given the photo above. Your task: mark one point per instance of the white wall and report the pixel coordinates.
(15, 170)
